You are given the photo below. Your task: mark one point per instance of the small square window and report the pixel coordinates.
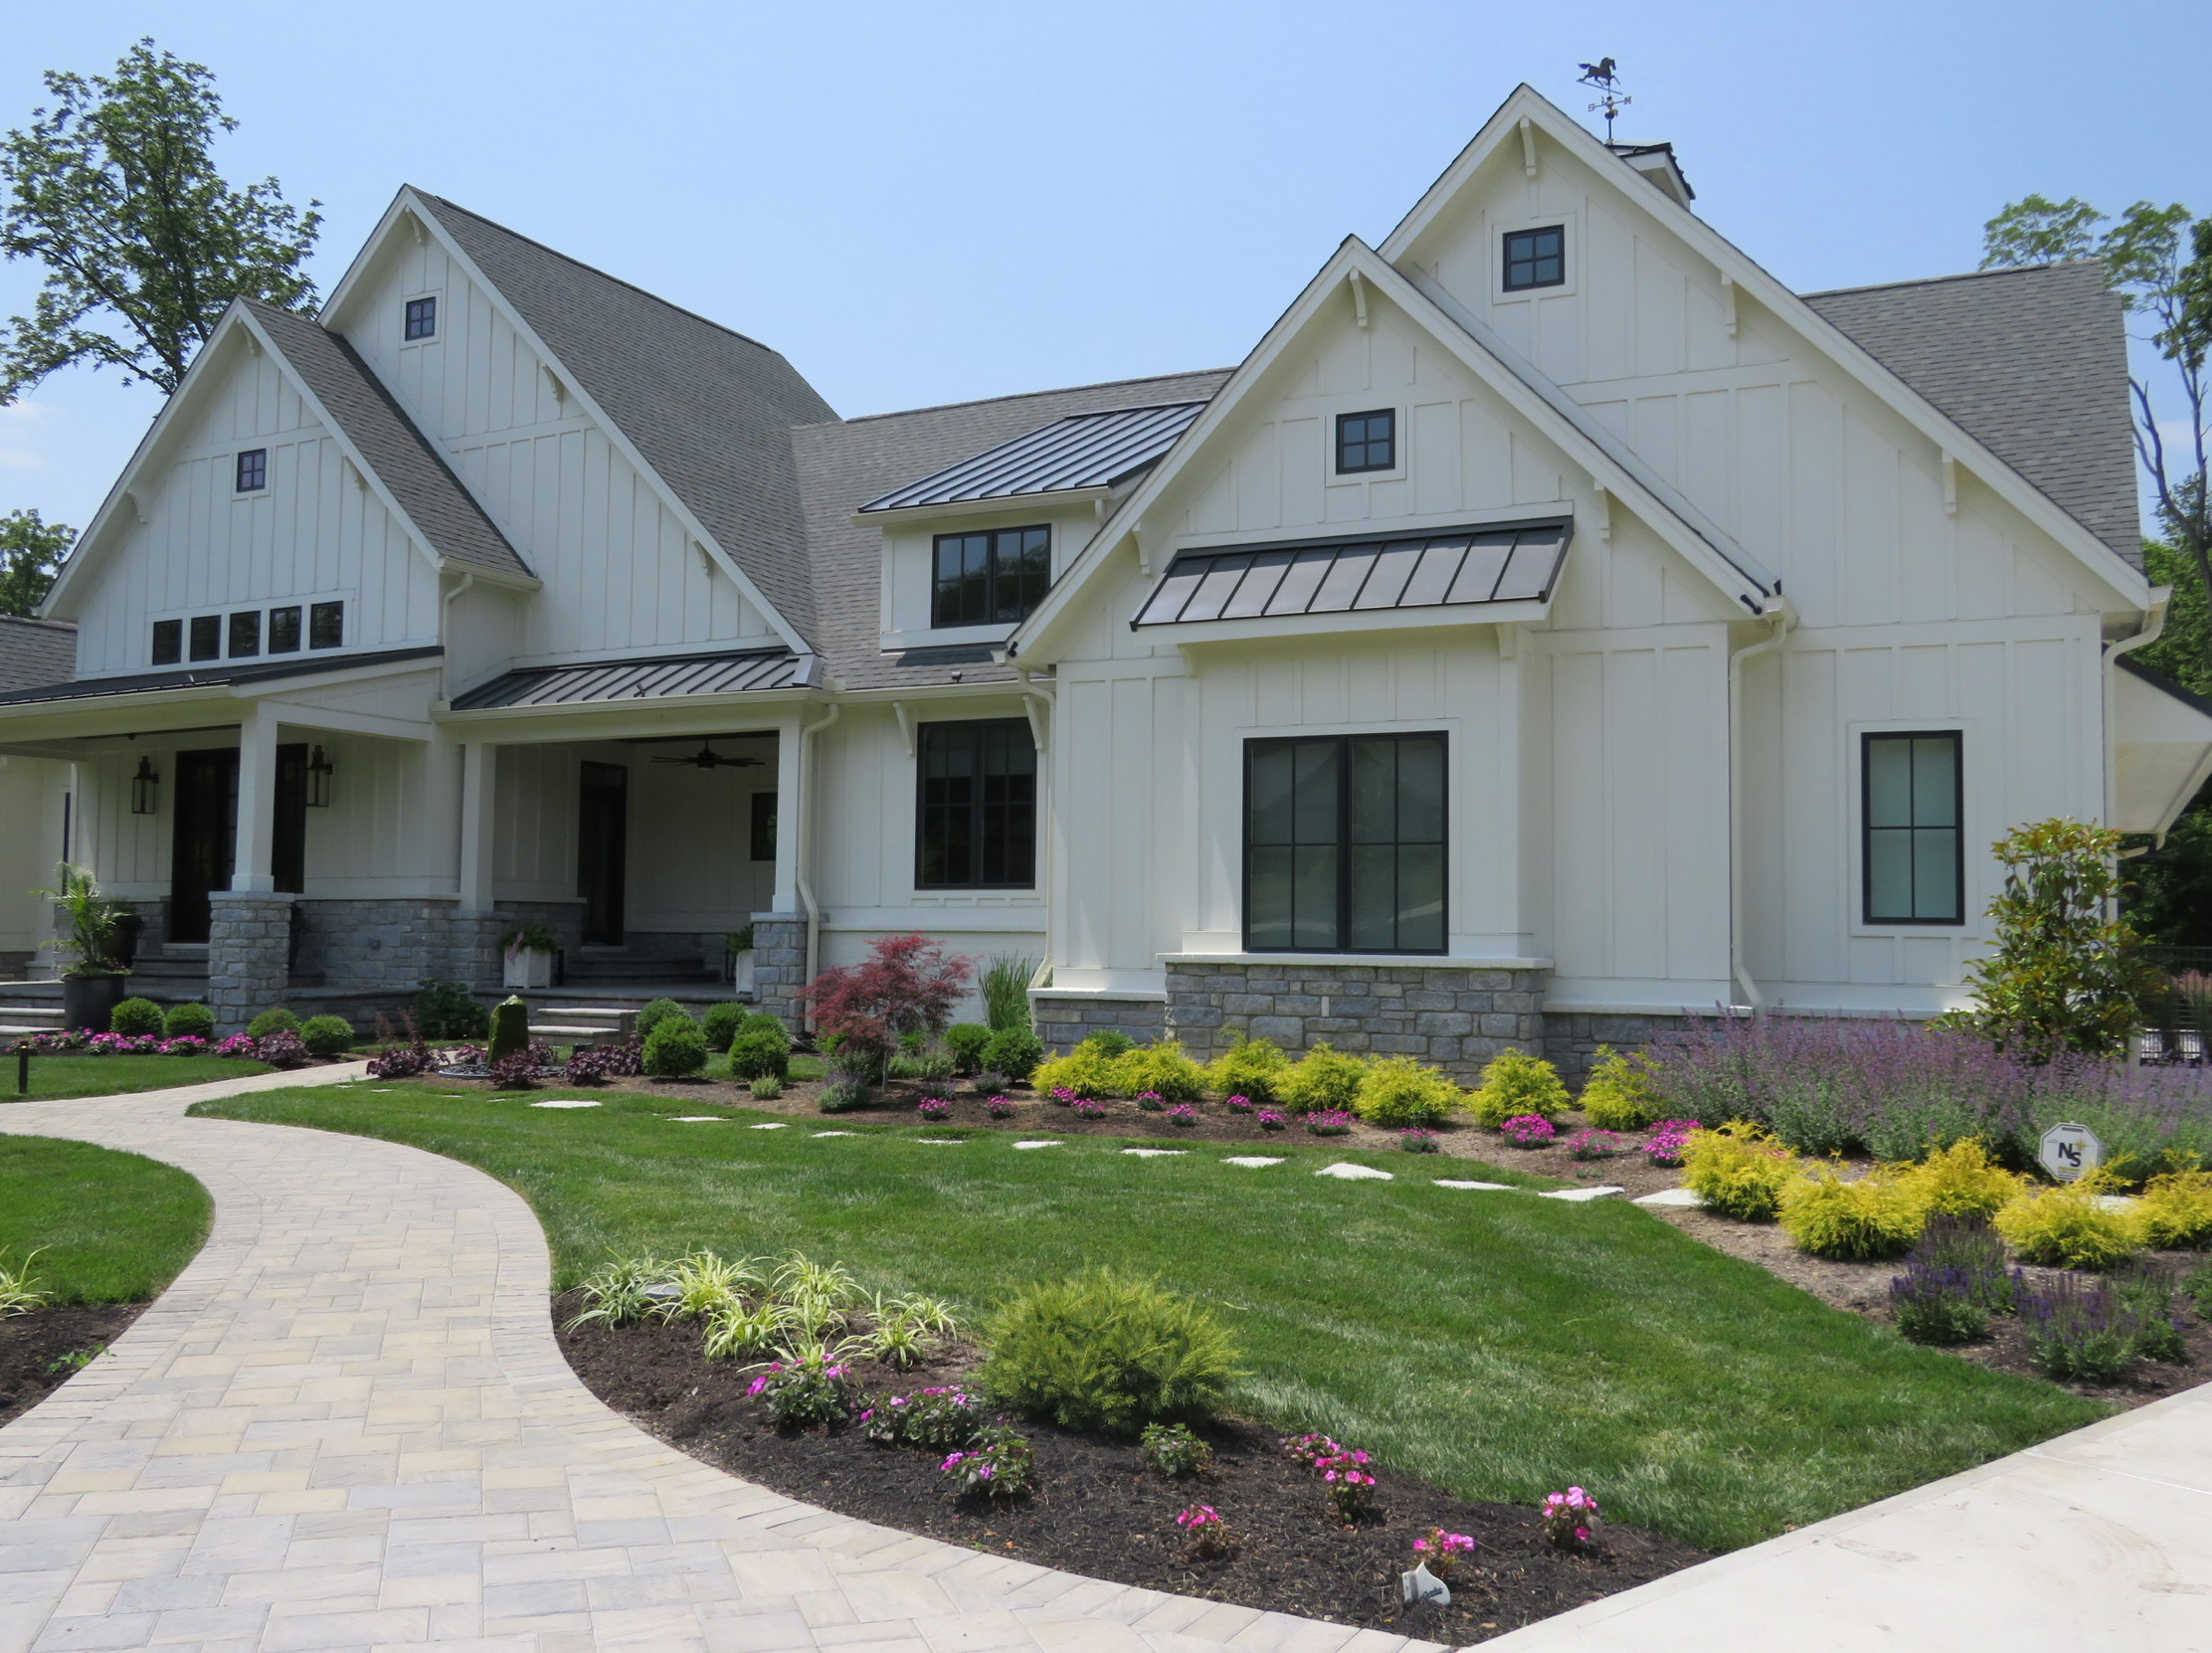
(245, 633)
(422, 319)
(207, 636)
(283, 630)
(1536, 259)
(764, 826)
(326, 624)
(253, 471)
(1367, 441)
(168, 641)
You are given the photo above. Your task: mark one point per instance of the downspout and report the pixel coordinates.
(1034, 693)
(1780, 615)
(445, 630)
(2154, 624)
(801, 828)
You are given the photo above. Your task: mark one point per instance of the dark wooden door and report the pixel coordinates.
(602, 850)
(203, 843)
(288, 850)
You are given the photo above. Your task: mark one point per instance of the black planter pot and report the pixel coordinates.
(88, 1000)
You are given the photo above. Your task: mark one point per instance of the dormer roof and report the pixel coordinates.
(1085, 451)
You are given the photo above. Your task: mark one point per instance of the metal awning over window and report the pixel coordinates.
(1422, 571)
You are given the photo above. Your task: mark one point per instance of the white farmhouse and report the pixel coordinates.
(1554, 624)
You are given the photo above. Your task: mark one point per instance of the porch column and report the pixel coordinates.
(480, 817)
(787, 816)
(254, 868)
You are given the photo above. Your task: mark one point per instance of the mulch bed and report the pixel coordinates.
(35, 1348)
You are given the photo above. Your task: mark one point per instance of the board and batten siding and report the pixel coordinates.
(621, 572)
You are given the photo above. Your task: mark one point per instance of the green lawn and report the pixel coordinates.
(108, 1227)
(1500, 1344)
(115, 1075)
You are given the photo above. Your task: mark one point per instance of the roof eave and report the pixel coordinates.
(993, 504)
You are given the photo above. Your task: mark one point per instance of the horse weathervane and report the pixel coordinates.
(1605, 78)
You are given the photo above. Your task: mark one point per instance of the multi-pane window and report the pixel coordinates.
(168, 641)
(207, 636)
(1536, 258)
(283, 630)
(764, 826)
(1367, 441)
(326, 624)
(253, 471)
(1912, 797)
(977, 796)
(245, 633)
(990, 579)
(422, 319)
(1344, 845)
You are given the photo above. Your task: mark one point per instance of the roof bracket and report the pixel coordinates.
(1144, 558)
(1950, 485)
(906, 725)
(1360, 297)
(1605, 513)
(1727, 303)
(136, 509)
(706, 559)
(1528, 145)
(360, 483)
(560, 391)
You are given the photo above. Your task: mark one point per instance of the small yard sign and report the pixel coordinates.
(2071, 1151)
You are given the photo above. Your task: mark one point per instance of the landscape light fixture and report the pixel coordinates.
(145, 788)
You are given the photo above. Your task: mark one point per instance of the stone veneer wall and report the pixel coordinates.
(249, 937)
(1449, 1017)
(1572, 1037)
(780, 966)
(1065, 1020)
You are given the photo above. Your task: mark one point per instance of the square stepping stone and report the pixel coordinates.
(1580, 1196)
(1053, 1144)
(1255, 1161)
(1154, 1153)
(1451, 1182)
(1345, 1171)
(1670, 1196)
(568, 1103)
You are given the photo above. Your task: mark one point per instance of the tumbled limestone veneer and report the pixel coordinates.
(248, 947)
(780, 966)
(1572, 1037)
(1065, 1020)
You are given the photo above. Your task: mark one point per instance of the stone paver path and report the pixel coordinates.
(347, 1426)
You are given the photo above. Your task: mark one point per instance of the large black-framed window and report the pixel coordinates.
(1344, 845)
(1911, 789)
(976, 806)
(1536, 258)
(991, 578)
(1367, 441)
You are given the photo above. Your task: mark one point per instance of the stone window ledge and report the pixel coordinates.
(1387, 960)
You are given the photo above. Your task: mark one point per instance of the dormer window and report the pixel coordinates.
(253, 471)
(1536, 258)
(1367, 441)
(990, 579)
(422, 319)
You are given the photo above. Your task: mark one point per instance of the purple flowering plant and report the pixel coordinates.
(1182, 1114)
(934, 1108)
(1209, 1534)
(1440, 1550)
(1000, 1464)
(941, 1417)
(1668, 1138)
(1329, 1122)
(1150, 1101)
(1570, 1518)
(1064, 1097)
(1269, 1120)
(1527, 1131)
(1592, 1145)
(1239, 1104)
(999, 1108)
(1414, 1139)
(1084, 1107)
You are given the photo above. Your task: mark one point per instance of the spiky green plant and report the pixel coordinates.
(622, 1292)
(745, 1329)
(18, 1295)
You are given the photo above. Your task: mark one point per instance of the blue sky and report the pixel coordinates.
(922, 204)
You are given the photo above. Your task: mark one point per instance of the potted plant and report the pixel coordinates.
(738, 958)
(93, 984)
(529, 956)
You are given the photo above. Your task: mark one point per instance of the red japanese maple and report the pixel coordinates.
(907, 984)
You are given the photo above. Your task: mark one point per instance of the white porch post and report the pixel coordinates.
(480, 814)
(253, 867)
(788, 814)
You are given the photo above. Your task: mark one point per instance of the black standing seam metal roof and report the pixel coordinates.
(1087, 451)
(650, 679)
(216, 675)
(1461, 565)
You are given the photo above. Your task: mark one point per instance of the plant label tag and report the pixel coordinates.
(2070, 1152)
(1423, 1585)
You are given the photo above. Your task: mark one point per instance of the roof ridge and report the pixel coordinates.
(1025, 394)
(594, 269)
(1962, 275)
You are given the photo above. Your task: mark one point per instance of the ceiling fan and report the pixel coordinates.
(707, 758)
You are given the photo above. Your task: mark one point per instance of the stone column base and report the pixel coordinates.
(780, 966)
(249, 955)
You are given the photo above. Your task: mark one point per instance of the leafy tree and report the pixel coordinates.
(29, 552)
(2063, 976)
(908, 984)
(144, 244)
(2038, 229)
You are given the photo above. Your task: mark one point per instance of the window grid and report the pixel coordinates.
(1367, 441)
(245, 633)
(1536, 258)
(422, 319)
(1912, 807)
(1345, 844)
(253, 471)
(993, 578)
(976, 806)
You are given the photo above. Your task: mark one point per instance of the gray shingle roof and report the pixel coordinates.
(2033, 362)
(35, 653)
(842, 464)
(674, 675)
(1087, 451)
(710, 410)
(404, 460)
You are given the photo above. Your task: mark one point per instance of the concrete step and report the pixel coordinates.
(584, 968)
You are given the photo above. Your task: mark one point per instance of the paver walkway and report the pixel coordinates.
(347, 1426)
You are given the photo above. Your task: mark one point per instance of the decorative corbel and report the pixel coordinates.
(1528, 145)
(1144, 557)
(1605, 513)
(360, 483)
(1951, 485)
(136, 509)
(1360, 299)
(706, 559)
(1728, 304)
(553, 379)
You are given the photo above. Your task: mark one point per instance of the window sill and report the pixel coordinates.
(1391, 961)
(945, 636)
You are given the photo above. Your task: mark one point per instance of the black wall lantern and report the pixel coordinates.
(145, 794)
(318, 780)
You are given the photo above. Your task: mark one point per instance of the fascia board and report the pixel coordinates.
(338, 306)
(999, 504)
(118, 714)
(617, 438)
(271, 687)
(1749, 277)
(1454, 616)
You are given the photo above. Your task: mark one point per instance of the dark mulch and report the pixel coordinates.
(1101, 1511)
(35, 1348)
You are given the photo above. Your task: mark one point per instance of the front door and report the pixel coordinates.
(602, 850)
(205, 840)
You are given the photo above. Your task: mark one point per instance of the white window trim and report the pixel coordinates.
(1569, 223)
(1342, 406)
(245, 497)
(438, 334)
(1969, 923)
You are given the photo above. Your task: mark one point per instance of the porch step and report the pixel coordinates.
(601, 1024)
(30, 1019)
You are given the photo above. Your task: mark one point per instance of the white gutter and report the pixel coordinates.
(802, 828)
(2154, 624)
(1780, 615)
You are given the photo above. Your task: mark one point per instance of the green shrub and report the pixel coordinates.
(2147, 1290)
(1738, 1170)
(676, 1049)
(1083, 1070)
(2175, 1211)
(1108, 1043)
(1323, 1078)
(326, 1036)
(1875, 1216)
(1006, 992)
(448, 1011)
(2196, 1286)
(278, 1021)
(1516, 1084)
(1618, 1095)
(766, 1088)
(1161, 1068)
(654, 1013)
(842, 1096)
(1249, 1068)
(721, 1023)
(1108, 1351)
(135, 1017)
(966, 1041)
(760, 1053)
(195, 1021)
(511, 1029)
(2065, 1227)
(1398, 1090)
(1960, 1181)
(1014, 1051)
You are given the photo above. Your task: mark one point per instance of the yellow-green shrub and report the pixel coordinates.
(1398, 1090)
(1618, 1094)
(1738, 1170)
(1083, 1070)
(1322, 1079)
(1161, 1068)
(1249, 1067)
(2175, 1210)
(1962, 1181)
(1878, 1215)
(1516, 1084)
(2065, 1227)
